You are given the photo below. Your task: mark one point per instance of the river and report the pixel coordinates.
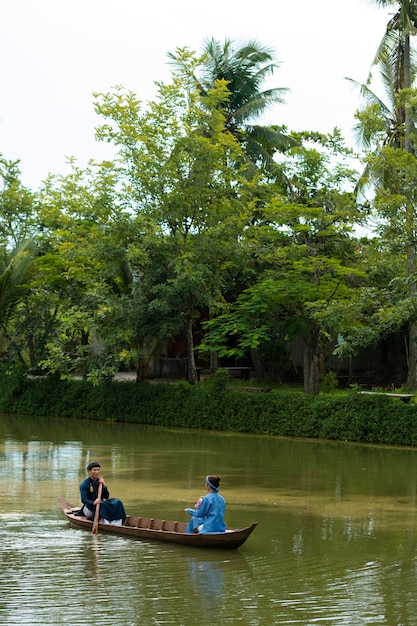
(336, 540)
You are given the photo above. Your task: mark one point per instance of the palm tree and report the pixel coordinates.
(244, 69)
(389, 111)
(396, 62)
(396, 49)
(396, 52)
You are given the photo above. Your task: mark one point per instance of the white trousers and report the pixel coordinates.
(102, 520)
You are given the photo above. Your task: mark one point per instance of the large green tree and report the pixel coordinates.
(17, 226)
(304, 253)
(177, 166)
(17, 207)
(71, 312)
(15, 274)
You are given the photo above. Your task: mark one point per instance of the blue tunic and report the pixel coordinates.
(210, 513)
(110, 509)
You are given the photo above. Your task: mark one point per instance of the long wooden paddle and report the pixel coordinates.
(97, 511)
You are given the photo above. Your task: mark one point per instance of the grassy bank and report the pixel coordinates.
(216, 406)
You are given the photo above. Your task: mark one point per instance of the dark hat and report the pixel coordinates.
(93, 464)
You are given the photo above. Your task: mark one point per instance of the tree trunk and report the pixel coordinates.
(412, 288)
(409, 124)
(192, 372)
(214, 359)
(412, 358)
(312, 363)
(410, 226)
(257, 364)
(214, 362)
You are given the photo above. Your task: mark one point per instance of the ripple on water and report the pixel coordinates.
(53, 574)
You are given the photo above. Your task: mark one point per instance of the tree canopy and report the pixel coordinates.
(213, 233)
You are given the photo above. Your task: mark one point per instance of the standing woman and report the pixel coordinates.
(209, 516)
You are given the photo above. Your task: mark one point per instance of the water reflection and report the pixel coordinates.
(209, 574)
(90, 560)
(207, 578)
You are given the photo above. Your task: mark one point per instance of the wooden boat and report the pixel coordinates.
(161, 530)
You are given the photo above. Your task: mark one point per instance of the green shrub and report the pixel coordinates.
(329, 382)
(214, 405)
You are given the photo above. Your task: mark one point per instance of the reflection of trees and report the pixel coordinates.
(32, 466)
(351, 567)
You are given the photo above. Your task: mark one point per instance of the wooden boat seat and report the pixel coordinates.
(148, 522)
(158, 524)
(145, 522)
(132, 521)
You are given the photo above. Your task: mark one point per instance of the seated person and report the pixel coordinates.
(208, 516)
(111, 510)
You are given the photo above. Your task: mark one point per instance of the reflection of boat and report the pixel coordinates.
(162, 530)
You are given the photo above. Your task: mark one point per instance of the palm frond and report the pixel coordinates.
(370, 96)
(254, 107)
(13, 281)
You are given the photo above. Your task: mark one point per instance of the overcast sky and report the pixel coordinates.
(56, 53)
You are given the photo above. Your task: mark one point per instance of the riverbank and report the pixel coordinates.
(216, 406)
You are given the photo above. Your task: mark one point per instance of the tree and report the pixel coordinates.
(17, 207)
(244, 71)
(381, 121)
(72, 317)
(306, 260)
(174, 163)
(381, 304)
(395, 47)
(14, 284)
(396, 54)
(17, 250)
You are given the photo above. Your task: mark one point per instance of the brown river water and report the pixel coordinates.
(336, 541)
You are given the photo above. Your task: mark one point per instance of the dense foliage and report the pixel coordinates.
(209, 235)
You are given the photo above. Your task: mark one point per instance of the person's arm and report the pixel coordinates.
(202, 510)
(105, 495)
(191, 511)
(104, 491)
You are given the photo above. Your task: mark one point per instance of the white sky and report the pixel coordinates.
(55, 53)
